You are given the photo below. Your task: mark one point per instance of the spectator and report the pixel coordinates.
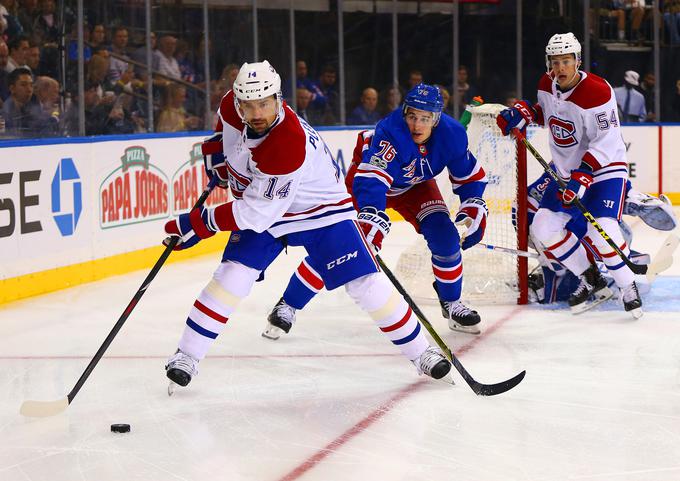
(366, 113)
(167, 63)
(4, 83)
(27, 14)
(9, 21)
(183, 57)
(228, 76)
(97, 71)
(139, 55)
(73, 44)
(329, 89)
(637, 14)
(390, 100)
(303, 98)
(173, 117)
(303, 80)
(45, 28)
(45, 110)
(511, 99)
(631, 102)
(446, 98)
(118, 63)
(16, 110)
(95, 114)
(610, 9)
(33, 58)
(671, 18)
(18, 49)
(647, 87)
(466, 91)
(415, 77)
(97, 38)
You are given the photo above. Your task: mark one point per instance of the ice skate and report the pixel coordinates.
(631, 300)
(180, 369)
(461, 318)
(591, 291)
(432, 363)
(279, 321)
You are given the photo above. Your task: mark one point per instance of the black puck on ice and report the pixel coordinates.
(120, 428)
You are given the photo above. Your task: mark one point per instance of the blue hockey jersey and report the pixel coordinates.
(394, 162)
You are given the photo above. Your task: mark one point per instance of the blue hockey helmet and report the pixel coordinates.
(425, 97)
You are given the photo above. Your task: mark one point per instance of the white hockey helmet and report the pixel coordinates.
(560, 44)
(255, 81)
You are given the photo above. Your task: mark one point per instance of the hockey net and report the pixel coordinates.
(488, 276)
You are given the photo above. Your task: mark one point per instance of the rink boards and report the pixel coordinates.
(78, 210)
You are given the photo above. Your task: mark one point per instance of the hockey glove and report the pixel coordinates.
(580, 180)
(213, 160)
(191, 228)
(375, 225)
(519, 116)
(472, 214)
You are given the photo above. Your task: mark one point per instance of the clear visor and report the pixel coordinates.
(562, 62)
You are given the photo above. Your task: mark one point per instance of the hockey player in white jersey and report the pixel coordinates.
(588, 151)
(288, 191)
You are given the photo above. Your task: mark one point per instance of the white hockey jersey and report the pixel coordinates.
(285, 181)
(584, 126)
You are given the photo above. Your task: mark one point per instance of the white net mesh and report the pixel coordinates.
(488, 277)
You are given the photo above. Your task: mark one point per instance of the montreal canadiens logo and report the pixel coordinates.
(563, 132)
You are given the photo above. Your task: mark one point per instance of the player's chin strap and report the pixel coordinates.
(636, 268)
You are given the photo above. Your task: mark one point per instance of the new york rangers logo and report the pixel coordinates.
(563, 132)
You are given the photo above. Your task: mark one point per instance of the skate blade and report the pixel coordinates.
(636, 313)
(172, 387)
(454, 326)
(272, 332)
(600, 296)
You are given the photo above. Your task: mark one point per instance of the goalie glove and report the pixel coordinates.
(375, 224)
(214, 161)
(191, 228)
(472, 214)
(519, 116)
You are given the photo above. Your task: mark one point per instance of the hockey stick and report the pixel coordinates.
(50, 408)
(479, 388)
(663, 258)
(507, 250)
(636, 268)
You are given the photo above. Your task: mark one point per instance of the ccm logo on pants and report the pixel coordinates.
(341, 260)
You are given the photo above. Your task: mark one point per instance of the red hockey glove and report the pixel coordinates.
(579, 182)
(375, 224)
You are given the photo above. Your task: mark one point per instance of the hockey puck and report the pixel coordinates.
(120, 428)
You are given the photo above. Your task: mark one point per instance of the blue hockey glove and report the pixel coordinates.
(375, 225)
(472, 214)
(191, 228)
(214, 161)
(518, 116)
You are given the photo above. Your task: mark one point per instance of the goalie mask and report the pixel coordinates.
(256, 81)
(425, 97)
(561, 44)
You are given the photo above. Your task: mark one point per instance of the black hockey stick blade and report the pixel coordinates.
(478, 388)
(487, 389)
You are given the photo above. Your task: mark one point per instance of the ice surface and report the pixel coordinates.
(334, 400)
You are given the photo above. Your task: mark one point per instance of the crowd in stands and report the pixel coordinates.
(38, 99)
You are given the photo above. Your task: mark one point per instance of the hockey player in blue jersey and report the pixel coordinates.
(397, 167)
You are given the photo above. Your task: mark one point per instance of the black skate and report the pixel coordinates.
(591, 291)
(279, 321)
(631, 300)
(180, 369)
(461, 318)
(433, 363)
